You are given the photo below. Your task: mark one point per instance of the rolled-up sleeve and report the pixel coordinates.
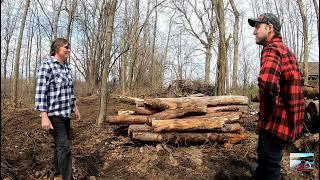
(41, 103)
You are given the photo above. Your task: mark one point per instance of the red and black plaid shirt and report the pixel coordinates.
(281, 91)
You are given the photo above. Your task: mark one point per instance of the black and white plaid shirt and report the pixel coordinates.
(54, 91)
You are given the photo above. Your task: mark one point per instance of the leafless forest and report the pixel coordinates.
(137, 48)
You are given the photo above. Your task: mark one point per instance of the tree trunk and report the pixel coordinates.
(305, 42)
(189, 137)
(221, 74)
(104, 85)
(124, 57)
(6, 59)
(135, 44)
(208, 62)
(71, 12)
(316, 7)
(154, 38)
(56, 20)
(17, 56)
(235, 46)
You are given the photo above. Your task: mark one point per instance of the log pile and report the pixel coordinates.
(186, 119)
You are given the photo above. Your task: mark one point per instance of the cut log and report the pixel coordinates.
(144, 111)
(232, 117)
(241, 108)
(235, 127)
(139, 128)
(209, 100)
(307, 139)
(129, 100)
(188, 137)
(311, 92)
(128, 119)
(178, 125)
(125, 112)
(181, 109)
(156, 104)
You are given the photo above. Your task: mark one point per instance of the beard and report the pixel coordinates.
(261, 41)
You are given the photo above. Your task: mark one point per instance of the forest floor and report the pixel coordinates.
(108, 153)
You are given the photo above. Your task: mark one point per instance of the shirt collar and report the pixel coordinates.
(53, 59)
(276, 38)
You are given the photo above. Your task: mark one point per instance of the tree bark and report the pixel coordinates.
(189, 137)
(56, 20)
(235, 127)
(180, 110)
(135, 44)
(221, 74)
(231, 116)
(124, 57)
(235, 46)
(71, 12)
(144, 111)
(129, 119)
(138, 128)
(170, 125)
(17, 56)
(242, 108)
(104, 85)
(210, 101)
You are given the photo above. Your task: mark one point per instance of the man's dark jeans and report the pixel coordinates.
(269, 156)
(62, 153)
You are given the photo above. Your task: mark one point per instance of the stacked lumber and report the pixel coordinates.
(186, 119)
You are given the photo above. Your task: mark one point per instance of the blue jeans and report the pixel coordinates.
(269, 156)
(62, 153)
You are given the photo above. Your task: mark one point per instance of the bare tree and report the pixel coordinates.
(123, 45)
(235, 46)
(134, 43)
(222, 52)
(17, 56)
(71, 10)
(104, 85)
(9, 26)
(305, 41)
(56, 19)
(208, 29)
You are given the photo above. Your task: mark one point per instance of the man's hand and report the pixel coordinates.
(45, 121)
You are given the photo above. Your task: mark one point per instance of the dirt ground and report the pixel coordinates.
(107, 152)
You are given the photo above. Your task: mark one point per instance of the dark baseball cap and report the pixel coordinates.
(267, 18)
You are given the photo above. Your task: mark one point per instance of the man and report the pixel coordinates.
(281, 96)
(56, 101)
